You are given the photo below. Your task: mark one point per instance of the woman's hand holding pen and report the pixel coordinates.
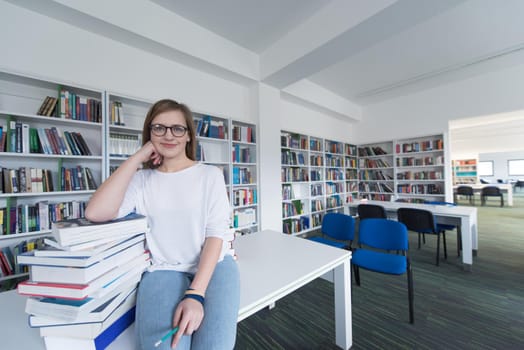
(148, 152)
(188, 317)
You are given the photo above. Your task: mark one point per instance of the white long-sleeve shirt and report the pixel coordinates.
(183, 209)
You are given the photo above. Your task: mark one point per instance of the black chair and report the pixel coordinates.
(519, 184)
(465, 191)
(423, 222)
(483, 181)
(371, 211)
(491, 191)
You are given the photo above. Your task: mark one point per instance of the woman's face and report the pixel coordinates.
(170, 146)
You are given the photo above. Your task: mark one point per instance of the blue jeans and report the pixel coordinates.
(160, 292)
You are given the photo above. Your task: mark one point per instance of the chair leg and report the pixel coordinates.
(410, 294)
(419, 241)
(424, 238)
(445, 248)
(356, 272)
(501, 201)
(438, 248)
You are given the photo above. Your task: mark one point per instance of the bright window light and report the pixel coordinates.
(516, 167)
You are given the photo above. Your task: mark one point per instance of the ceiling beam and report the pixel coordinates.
(340, 30)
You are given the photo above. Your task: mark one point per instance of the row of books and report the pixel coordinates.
(420, 175)
(296, 207)
(243, 176)
(294, 174)
(10, 265)
(420, 189)
(317, 205)
(334, 161)
(245, 196)
(244, 217)
(374, 175)
(123, 145)
(334, 147)
(82, 286)
(293, 141)
(206, 127)
(371, 151)
(316, 175)
(73, 106)
(38, 180)
(373, 163)
(290, 226)
(379, 187)
(288, 157)
(334, 175)
(243, 154)
(116, 110)
(21, 138)
(334, 188)
(333, 202)
(38, 217)
(422, 146)
(25, 179)
(243, 134)
(420, 161)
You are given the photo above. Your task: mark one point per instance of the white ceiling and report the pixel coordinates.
(408, 44)
(363, 51)
(253, 24)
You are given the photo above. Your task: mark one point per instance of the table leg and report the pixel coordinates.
(343, 321)
(467, 254)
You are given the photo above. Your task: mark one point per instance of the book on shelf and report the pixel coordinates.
(96, 288)
(75, 231)
(91, 330)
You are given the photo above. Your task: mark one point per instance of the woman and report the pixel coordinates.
(192, 284)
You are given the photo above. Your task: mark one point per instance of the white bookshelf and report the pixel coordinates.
(465, 172)
(420, 169)
(376, 171)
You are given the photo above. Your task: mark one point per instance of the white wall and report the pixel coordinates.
(500, 164)
(40, 46)
(300, 119)
(429, 111)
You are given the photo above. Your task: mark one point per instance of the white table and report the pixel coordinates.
(504, 188)
(464, 217)
(272, 265)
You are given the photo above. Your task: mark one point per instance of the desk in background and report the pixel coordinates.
(272, 265)
(504, 188)
(465, 217)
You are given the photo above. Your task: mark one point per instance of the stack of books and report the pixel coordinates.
(82, 284)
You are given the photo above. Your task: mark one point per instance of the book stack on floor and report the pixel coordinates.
(82, 285)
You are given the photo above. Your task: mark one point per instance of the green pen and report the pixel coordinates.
(166, 337)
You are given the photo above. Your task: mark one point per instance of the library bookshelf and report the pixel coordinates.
(465, 172)
(317, 176)
(111, 126)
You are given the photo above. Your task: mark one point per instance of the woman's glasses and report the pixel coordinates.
(160, 130)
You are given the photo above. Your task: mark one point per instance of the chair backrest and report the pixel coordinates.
(484, 181)
(465, 190)
(339, 226)
(418, 220)
(383, 234)
(368, 211)
(500, 181)
(490, 191)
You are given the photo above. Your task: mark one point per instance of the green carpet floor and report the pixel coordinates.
(454, 309)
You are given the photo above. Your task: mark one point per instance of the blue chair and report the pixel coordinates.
(423, 222)
(337, 226)
(385, 235)
(448, 227)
